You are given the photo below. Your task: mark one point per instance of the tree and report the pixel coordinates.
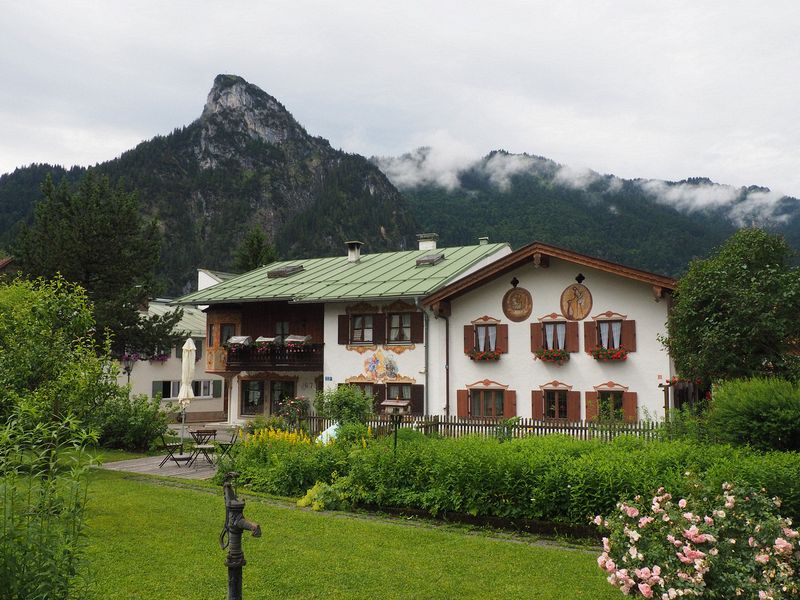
(254, 251)
(95, 236)
(737, 313)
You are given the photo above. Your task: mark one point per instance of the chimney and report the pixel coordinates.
(354, 251)
(483, 241)
(427, 241)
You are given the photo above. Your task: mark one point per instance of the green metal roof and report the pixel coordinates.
(384, 275)
(193, 321)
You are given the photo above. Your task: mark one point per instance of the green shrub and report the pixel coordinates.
(760, 412)
(325, 496)
(43, 485)
(352, 433)
(344, 404)
(262, 422)
(132, 424)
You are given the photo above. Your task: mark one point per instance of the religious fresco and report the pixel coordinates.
(576, 302)
(380, 367)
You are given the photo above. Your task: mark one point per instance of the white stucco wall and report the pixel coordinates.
(145, 372)
(640, 373)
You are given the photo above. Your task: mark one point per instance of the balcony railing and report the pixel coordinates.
(302, 357)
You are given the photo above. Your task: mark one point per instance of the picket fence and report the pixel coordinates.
(491, 427)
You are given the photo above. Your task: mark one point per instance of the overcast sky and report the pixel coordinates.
(636, 88)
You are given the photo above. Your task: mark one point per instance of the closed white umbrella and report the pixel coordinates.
(186, 393)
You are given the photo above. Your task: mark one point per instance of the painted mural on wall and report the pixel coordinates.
(517, 304)
(576, 302)
(380, 367)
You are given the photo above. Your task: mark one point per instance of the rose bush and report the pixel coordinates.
(729, 545)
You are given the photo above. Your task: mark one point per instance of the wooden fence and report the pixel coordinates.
(493, 427)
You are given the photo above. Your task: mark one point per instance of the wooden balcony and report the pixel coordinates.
(304, 357)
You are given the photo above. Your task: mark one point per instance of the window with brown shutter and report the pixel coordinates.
(537, 404)
(592, 410)
(462, 403)
(555, 404)
(487, 403)
(489, 337)
(417, 328)
(344, 329)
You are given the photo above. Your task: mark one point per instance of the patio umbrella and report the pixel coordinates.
(186, 394)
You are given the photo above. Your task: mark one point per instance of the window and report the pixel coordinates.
(167, 389)
(609, 334)
(226, 331)
(555, 404)
(210, 339)
(278, 390)
(485, 338)
(198, 344)
(202, 388)
(252, 397)
(609, 404)
(398, 391)
(400, 327)
(361, 332)
(281, 330)
(486, 403)
(555, 336)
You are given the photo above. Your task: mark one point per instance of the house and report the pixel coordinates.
(472, 331)
(548, 333)
(162, 374)
(291, 328)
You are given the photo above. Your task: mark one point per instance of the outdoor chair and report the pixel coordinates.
(204, 445)
(225, 447)
(171, 448)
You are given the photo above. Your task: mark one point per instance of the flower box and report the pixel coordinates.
(484, 355)
(609, 354)
(556, 356)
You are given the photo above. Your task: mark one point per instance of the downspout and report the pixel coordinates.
(427, 341)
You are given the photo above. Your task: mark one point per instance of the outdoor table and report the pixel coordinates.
(202, 437)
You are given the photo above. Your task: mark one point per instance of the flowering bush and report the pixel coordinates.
(729, 545)
(554, 356)
(483, 355)
(159, 358)
(262, 347)
(600, 353)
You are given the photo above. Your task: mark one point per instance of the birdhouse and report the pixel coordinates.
(396, 407)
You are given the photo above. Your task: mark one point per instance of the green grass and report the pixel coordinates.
(152, 538)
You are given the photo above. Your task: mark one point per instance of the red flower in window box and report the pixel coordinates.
(556, 355)
(608, 354)
(484, 355)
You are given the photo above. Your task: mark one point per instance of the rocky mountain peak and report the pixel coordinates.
(237, 111)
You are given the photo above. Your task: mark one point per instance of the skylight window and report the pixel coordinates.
(284, 271)
(430, 259)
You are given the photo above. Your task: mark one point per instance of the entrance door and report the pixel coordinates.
(278, 390)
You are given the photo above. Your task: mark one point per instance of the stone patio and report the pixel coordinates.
(149, 466)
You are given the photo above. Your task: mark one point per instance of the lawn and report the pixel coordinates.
(152, 538)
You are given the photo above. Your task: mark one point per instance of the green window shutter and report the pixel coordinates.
(217, 388)
(156, 388)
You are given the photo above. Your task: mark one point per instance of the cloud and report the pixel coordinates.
(743, 206)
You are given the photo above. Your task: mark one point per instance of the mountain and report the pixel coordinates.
(651, 224)
(245, 162)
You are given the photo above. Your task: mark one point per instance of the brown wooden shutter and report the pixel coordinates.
(379, 328)
(589, 336)
(344, 329)
(379, 393)
(536, 337)
(592, 410)
(462, 403)
(417, 399)
(573, 406)
(572, 337)
(628, 337)
(469, 338)
(502, 339)
(630, 409)
(417, 328)
(537, 404)
(510, 403)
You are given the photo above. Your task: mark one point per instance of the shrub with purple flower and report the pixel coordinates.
(724, 546)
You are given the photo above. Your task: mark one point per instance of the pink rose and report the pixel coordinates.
(646, 591)
(682, 503)
(762, 559)
(782, 546)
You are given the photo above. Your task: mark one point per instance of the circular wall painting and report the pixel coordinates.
(576, 302)
(517, 304)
